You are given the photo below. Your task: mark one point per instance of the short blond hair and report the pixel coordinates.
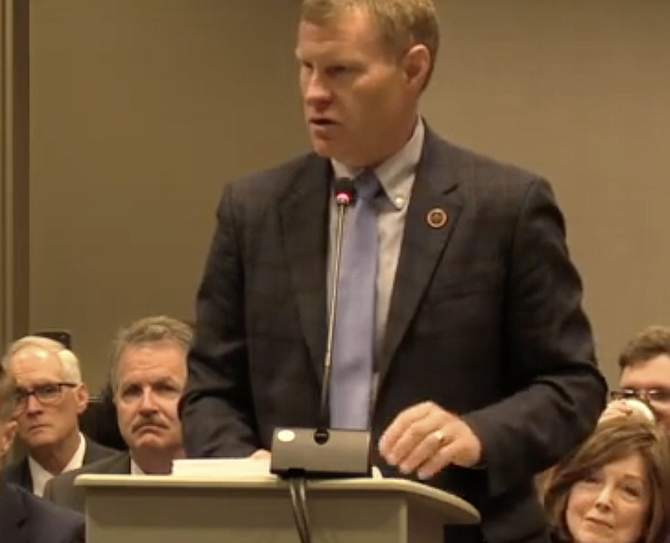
(149, 331)
(70, 367)
(402, 23)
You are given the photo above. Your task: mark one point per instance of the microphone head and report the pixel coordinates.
(345, 192)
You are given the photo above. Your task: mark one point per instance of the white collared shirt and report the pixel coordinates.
(396, 176)
(134, 468)
(41, 477)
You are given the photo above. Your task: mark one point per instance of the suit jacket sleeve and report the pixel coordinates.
(78, 535)
(549, 354)
(216, 409)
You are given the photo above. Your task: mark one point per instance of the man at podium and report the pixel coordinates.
(459, 338)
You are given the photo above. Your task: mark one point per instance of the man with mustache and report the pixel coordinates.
(50, 398)
(148, 375)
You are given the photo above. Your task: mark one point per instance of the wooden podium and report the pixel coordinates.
(177, 509)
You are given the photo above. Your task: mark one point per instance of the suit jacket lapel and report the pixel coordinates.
(95, 452)
(13, 515)
(422, 244)
(304, 222)
(122, 465)
(19, 474)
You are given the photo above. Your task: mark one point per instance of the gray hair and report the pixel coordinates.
(70, 368)
(149, 331)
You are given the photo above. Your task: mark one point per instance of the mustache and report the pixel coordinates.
(144, 421)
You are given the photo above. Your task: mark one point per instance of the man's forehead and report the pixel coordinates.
(651, 373)
(347, 29)
(153, 368)
(153, 378)
(35, 359)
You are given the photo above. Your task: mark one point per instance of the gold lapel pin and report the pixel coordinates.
(437, 218)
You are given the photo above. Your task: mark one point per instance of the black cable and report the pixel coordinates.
(298, 489)
(302, 492)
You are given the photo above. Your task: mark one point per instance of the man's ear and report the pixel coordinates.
(417, 65)
(7, 437)
(82, 396)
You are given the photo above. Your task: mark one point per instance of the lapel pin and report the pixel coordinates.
(437, 218)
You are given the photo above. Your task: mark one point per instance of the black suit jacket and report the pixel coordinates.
(19, 472)
(62, 491)
(485, 320)
(25, 518)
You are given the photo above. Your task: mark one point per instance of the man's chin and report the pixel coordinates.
(323, 149)
(40, 440)
(150, 440)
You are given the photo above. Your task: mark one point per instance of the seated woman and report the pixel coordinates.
(615, 488)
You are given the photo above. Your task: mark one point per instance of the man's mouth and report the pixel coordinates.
(38, 427)
(322, 122)
(149, 427)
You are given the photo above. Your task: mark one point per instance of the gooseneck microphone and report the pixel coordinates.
(323, 452)
(345, 195)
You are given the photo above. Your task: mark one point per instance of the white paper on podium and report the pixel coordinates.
(230, 467)
(222, 467)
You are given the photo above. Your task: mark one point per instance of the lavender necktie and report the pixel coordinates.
(354, 333)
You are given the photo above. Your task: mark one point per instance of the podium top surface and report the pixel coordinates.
(459, 511)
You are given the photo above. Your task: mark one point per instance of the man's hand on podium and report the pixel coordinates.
(425, 439)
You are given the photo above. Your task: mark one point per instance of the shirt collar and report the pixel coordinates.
(41, 477)
(134, 468)
(396, 173)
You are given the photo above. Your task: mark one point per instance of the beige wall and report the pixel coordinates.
(140, 110)
(14, 220)
(577, 91)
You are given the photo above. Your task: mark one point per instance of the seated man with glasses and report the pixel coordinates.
(50, 396)
(23, 517)
(645, 374)
(148, 375)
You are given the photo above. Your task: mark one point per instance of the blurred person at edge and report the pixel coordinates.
(615, 488)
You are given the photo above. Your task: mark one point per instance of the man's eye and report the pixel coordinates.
(20, 394)
(131, 392)
(167, 390)
(338, 70)
(46, 389)
(661, 395)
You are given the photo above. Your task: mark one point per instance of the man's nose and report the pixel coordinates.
(33, 405)
(148, 402)
(316, 91)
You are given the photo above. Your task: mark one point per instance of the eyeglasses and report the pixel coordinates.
(48, 393)
(657, 396)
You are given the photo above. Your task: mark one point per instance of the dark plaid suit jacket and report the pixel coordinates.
(62, 491)
(25, 518)
(485, 320)
(19, 472)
